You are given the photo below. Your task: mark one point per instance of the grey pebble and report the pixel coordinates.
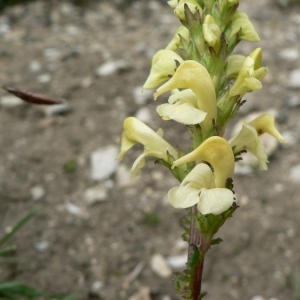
(10, 101)
(57, 109)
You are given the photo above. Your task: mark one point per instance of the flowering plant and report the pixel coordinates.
(207, 85)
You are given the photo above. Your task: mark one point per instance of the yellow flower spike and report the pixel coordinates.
(198, 187)
(180, 11)
(211, 32)
(217, 152)
(240, 21)
(135, 131)
(266, 124)
(182, 32)
(191, 74)
(164, 64)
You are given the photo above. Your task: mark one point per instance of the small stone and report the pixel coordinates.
(104, 163)
(142, 294)
(258, 298)
(144, 115)
(42, 246)
(86, 82)
(110, 67)
(289, 54)
(37, 192)
(57, 109)
(166, 297)
(96, 287)
(141, 97)
(72, 30)
(177, 262)
(293, 101)
(295, 174)
(73, 209)
(160, 266)
(44, 78)
(294, 79)
(52, 54)
(10, 101)
(95, 195)
(34, 67)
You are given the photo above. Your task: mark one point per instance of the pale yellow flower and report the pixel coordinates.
(218, 153)
(164, 65)
(250, 76)
(248, 138)
(242, 25)
(199, 188)
(135, 131)
(192, 75)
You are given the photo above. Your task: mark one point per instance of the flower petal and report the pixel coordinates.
(181, 112)
(200, 176)
(183, 196)
(215, 201)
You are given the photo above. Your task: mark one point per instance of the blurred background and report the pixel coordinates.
(98, 234)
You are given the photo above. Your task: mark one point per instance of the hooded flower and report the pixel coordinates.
(190, 75)
(218, 153)
(248, 138)
(243, 26)
(199, 187)
(250, 76)
(164, 65)
(135, 131)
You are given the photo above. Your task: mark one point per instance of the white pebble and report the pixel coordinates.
(35, 67)
(95, 194)
(110, 67)
(295, 174)
(44, 78)
(178, 261)
(96, 287)
(289, 54)
(294, 79)
(42, 246)
(37, 192)
(258, 298)
(104, 163)
(10, 101)
(160, 266)
(73, 209)
(57, 109)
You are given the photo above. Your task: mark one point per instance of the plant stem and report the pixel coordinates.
(196, 240)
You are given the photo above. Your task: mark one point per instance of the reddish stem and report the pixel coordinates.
(196, 240)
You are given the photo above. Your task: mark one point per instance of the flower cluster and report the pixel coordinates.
(206, 85)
